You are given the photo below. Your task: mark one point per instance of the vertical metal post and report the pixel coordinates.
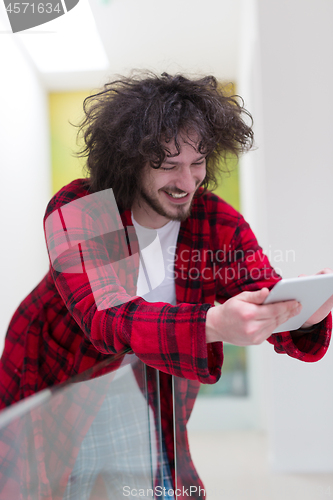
(159, 428)
(174, 432)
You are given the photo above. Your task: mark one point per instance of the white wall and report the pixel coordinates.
(297, 76)
(25, 178)
(286, 77)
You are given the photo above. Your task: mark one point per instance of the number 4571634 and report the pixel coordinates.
(22, 7)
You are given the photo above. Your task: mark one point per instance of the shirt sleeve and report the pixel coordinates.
(309, 347)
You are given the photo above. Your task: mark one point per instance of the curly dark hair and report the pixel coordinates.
(127, 121)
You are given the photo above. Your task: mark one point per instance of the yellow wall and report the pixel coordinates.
(65, 108)
(228, 187)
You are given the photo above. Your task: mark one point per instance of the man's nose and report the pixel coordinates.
(186, 181)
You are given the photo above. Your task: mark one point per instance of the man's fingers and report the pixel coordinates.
(273, 315)
(288, 308)
(289, 312)
(257, 297)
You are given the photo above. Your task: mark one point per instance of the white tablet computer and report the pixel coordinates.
(310, 291)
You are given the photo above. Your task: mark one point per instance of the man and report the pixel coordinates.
(153, 146)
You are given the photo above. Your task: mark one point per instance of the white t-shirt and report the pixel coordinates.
(157, 254)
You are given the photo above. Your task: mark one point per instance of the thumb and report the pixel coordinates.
(257, 297)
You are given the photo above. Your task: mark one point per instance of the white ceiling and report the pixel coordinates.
(188, 36)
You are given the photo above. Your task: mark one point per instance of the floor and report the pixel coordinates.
(234, 466)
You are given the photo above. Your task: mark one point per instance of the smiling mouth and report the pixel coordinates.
(177, 195)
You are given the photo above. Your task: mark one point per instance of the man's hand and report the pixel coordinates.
(324, 310)
(244, 320)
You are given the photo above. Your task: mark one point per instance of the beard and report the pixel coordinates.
(180, 213)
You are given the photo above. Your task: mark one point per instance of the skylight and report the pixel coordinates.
(69, 43)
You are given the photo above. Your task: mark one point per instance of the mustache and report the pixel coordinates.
(175, 190)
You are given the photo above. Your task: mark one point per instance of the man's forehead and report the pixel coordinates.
(183, 140)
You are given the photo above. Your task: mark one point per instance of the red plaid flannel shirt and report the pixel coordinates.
(58, 330)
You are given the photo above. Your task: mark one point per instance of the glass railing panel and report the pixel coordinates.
(91, 439)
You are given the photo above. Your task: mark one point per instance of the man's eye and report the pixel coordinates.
(167, 168)
(199, 162)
